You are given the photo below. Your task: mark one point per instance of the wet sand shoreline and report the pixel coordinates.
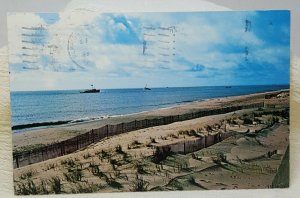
(62, 132)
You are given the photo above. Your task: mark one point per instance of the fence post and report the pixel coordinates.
(29, 161)
(93, 137)
(43, 154)
(46, 152)
(61, 148)
(184, 146)
(123, 127)
(53, 151)
(106, 126)
(77, 142)
(17, 160)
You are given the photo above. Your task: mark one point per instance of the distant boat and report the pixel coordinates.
(146, 88)
(92, 90)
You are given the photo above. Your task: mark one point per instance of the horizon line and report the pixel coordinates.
(153, 87)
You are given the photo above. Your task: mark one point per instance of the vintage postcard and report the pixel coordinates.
(160, 101)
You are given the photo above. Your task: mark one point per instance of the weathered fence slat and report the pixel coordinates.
(95, 135)
(189, 146)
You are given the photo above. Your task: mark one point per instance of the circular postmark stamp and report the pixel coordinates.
(78, 50)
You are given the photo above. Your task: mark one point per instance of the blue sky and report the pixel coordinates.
(116, 50)
(49, 18)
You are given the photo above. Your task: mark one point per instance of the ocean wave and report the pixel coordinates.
(88, 119)
(54, 123)
(38, 109)
(39, 124)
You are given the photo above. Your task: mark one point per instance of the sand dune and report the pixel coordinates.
(249, 159)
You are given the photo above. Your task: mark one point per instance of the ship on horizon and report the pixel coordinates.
(147, 88)
(92, 90)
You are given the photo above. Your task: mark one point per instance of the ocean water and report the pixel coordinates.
(49, 106)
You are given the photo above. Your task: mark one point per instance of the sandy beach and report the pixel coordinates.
(36, 136)
(249, 159)
(149, 101)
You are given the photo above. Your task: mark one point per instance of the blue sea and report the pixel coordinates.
(50, 106)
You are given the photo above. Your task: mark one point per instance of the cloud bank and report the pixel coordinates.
(73, 49)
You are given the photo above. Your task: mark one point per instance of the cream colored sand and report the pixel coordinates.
(246, 167)
(59, 133)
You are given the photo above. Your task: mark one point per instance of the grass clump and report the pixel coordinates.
(51, 166)
(27, 188)
(113, 183)
(140, 167)
(44, 187)
(104, 154)
(153, 140)
(87, 155)
(221, 157)
(56, 185)
(86, 188)
(31, 188)
(74, 175)
(135, 144)
(68, 162)
(177, 185)
(232, 122)
(139, 185)
(97, 172)
(28, 174)
(119, 150)
(114, 163)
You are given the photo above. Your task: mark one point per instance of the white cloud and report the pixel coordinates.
(16, 22)
(79, 41)
(194, 38)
